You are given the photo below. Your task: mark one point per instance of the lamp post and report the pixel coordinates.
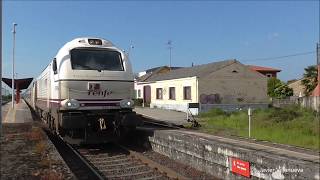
(170, 48)
(14, 44)
(1, 68)
(129, 51)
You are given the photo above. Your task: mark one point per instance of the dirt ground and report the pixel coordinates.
(26, 153)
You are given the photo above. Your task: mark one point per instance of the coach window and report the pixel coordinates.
(54, 66)
(187, 92)
(172, 93)
(159, 93)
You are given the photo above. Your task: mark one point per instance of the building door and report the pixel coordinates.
(146, 96)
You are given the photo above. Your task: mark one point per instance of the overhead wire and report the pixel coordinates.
(279, 57)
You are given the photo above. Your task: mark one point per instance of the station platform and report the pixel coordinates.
(25, 150)
(19, 114)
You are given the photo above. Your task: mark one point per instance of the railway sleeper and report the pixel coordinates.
(117, 169)
(134, 175)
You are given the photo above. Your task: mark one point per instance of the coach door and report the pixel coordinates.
(146, 95)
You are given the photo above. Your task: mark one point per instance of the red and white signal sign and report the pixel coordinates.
(240, 167)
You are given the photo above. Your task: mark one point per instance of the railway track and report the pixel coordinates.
(110, 161)
(117, 162)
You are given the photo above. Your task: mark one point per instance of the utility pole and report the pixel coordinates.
(129, 51)
(14, 44)
(318, 65)
(1, 67)
(170, 48)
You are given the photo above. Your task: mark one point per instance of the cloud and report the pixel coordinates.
(246, 43)
(273, 35)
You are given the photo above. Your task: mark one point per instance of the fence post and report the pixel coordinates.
(249, 114)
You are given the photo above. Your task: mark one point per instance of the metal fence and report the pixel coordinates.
(233, 107)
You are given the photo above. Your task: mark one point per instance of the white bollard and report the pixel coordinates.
(249, 114)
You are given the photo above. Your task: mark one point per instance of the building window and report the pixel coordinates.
(172, 93)
(269, 75)
(139, 93)
(187, 93)
(159, 93)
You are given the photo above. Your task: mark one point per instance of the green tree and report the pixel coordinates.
(283, 91)
(273, 83)
(278, 89)
(310, 79)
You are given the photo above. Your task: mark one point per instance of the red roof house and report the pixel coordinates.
(267, 71)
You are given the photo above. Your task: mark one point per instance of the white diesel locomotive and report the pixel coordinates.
(84, 94)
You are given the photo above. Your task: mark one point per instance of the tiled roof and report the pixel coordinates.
(160, 67)
(154, 71)
(199, 71)
(261, 68)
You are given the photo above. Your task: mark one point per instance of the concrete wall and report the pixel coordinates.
(298, 88)
(312, 102)
(235, 83)
(212, 154)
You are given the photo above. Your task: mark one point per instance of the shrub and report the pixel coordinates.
(213, 112)
(284, 114)
(138, 102)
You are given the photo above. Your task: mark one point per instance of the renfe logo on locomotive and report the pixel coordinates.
(94, 88)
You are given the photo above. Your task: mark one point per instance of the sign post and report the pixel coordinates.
(194, 122)
(249, 114)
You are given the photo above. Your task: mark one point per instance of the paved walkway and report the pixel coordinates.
(20, 114)
(170, 116)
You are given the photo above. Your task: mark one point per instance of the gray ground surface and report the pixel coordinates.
(26, 153)
(171, 116)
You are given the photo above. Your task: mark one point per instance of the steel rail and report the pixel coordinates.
(168, 172)
(86, 163)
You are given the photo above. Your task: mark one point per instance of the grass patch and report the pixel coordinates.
(292, 125)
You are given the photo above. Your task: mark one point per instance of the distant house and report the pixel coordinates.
(298, 88)
(224, 82)
(145, 75)
(267, 71)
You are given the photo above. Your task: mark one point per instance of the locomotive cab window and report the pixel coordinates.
(96, 59)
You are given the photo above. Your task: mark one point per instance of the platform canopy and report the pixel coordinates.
(20, 83)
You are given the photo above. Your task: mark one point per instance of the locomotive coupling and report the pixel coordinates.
(102, 123)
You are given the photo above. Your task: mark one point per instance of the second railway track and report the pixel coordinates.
(110, 161)
(116, 162)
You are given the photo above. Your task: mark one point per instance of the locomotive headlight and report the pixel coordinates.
(70, 104)
(126, 103)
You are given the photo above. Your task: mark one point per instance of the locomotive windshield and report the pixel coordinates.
(88, 59)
